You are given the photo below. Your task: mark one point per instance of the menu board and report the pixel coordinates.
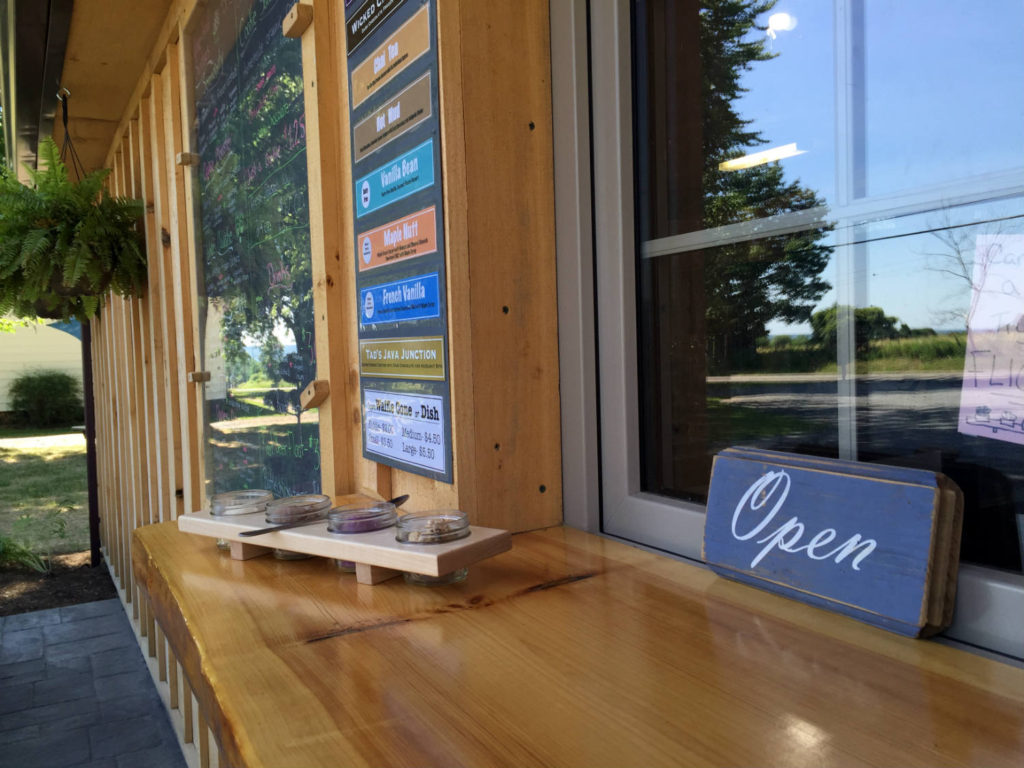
(398, 253)
(255, 269)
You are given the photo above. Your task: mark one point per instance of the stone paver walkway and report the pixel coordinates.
(75, 691)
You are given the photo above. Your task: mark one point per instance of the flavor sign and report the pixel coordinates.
(397, 240)
(398, 251)
(415, 298)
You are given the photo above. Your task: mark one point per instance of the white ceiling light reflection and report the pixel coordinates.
(780, 22)
(760, 158)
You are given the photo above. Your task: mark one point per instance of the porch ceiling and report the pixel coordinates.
(108, 46)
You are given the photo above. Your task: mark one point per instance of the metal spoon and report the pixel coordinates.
(397, 501)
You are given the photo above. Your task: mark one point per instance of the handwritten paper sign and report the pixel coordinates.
(992, 397)
(874, 542)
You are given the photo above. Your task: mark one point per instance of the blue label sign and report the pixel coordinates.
(416, 298)
(396, 179)
(857, 541)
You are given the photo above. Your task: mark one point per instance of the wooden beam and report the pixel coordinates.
(331, 237)
(298, 20)
(314, 394)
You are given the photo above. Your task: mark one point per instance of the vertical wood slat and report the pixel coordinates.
(124, 479)
(172, 434)
(181, 280)
(142, 351)
(327, 152)
(117, 419)
(110, 425)
(172, 681)
(188, 697)
(163, 492)
(161, 654)
(119, 489)
(129, 363)
(192, 237)
(204, 742)
(108, 511)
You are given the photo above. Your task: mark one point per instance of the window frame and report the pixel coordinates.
(598, 320)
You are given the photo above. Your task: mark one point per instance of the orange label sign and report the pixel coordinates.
(414, 235)
(408, 43)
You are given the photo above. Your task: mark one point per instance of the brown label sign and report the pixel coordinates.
(400, 115)
(398, 51)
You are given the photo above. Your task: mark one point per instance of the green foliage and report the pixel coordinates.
(748, 284)
(44, 494)
(11, 324)
(64, 245)
(47, 398)
(924, 348)
(15, 554)
(870, 324)
(50, 525)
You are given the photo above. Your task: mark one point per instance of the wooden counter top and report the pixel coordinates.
(569, 650)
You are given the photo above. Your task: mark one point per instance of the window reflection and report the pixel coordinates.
(256, 288)
(812, 194)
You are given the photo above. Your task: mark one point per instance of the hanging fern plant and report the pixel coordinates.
(65, 245)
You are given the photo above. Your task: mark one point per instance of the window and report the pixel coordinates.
(255, 271)
(809, 221)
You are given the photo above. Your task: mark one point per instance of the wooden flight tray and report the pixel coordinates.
(376, 554)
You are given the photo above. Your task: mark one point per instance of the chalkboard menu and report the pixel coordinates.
(255, 279)
(399, 235)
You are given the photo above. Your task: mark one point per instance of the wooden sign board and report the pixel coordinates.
(875, 542)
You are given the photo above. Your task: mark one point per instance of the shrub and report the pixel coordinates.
(14, 554)
(47, 399)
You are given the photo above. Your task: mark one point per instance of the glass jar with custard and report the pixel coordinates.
(434, 528)
(296, 509)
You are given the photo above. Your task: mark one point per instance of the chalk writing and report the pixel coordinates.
(253, 216)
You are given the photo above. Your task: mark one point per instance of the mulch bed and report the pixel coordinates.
(71, 581)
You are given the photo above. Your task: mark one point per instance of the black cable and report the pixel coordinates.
(68, 148)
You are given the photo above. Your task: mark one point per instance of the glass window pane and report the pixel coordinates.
(255, 272)
(942, 91)
(783, 300)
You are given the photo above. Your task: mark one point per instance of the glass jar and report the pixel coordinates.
(238, 503)
(434, 528)
(296, 509)
(360, 518)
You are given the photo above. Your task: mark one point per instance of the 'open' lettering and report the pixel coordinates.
(773, 487)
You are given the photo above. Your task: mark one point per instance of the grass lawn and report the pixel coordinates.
(43, 490)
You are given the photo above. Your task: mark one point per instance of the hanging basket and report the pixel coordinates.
(65, 245)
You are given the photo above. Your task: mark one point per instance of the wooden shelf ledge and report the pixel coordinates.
(567, 650)
(373, 548)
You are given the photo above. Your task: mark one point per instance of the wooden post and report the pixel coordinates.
(90, 445)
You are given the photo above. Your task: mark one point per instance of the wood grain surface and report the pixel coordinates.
(568, 650)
